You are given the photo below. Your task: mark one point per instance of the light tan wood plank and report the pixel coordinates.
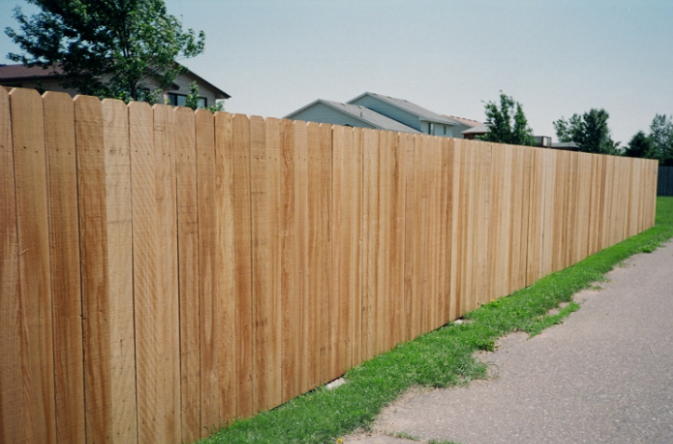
(319, 259)
(294, 247)
(188, 270)
(35, 305)
(60, 146)
(105, 255)
(208, 290)
(266, 268)
(225, 266)
(242, 263)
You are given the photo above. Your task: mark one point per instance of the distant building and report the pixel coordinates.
(19, 76)
(567, 146)
(371, 110)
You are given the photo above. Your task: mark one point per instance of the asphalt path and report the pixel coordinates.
(603, 376)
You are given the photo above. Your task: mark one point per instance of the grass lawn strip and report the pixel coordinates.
(441, 358)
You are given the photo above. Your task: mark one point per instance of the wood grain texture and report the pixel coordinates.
(59, 124)
(187, 182)
(12, 409)
(265, 174)
(412, 301)
(120, 256)
(370, 215)
(35, 299)
(241, 249)
(319, 251)
(104, 192)
(209, 313)
(346, 229)
(294, 252)
(225, 266)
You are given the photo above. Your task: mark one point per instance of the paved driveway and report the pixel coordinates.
(604, 376)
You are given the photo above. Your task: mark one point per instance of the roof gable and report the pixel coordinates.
(360, 113)
(423, 114)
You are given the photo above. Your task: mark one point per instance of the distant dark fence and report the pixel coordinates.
(665, 183)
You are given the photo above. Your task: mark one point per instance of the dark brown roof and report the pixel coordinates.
(218, 91)
(468, 122)
(12, 73)
(20, 72)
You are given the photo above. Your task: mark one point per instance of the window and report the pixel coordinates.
(431, 128)
(181, 99)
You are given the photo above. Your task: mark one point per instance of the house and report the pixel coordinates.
(481, 130)
(13, 76)
(335, 113)
(370, 110)
(476, 131)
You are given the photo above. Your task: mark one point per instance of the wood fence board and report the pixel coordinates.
(391, 249)
(559, 204)
(357, 224)
(59, 124)
(446, 202)
(157, 331)
(12, 406)
(242, 259)
(209, 316)
(187, 182)
(35, 306)
(340, 307)
(457, 227)
(14, 413)
(225, 265)
(433, 171)
(294, 247)
(120, 252)
(500, 221)
(411, 239)
(266, 267)
(549, 157)
(483, 240)
(65, 265)
(109, 377)
(347, 219)
(370, 204)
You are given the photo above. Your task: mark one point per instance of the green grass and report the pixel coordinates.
(441, 358)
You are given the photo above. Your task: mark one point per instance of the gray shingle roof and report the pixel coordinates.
(422, 113)
(371, 117)
(379, 121)
(481, 129)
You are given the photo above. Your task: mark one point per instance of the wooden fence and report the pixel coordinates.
(665, 183)
(164, 271)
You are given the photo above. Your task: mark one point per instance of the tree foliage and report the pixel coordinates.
(507, 123)
(192, 99)
(589, 131)
(640, 146)
(661, 134)
(109, 48)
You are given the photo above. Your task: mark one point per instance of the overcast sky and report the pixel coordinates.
(555, 57)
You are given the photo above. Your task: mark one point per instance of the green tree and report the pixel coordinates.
(661, 133)
(192, 99)
(589, 131)
(108, 48)
(507, 123)
(640, 146)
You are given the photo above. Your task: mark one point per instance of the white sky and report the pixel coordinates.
(556, 57)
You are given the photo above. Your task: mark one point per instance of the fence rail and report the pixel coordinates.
(164, 271)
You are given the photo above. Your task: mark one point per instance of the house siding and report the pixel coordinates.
(322, 113)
